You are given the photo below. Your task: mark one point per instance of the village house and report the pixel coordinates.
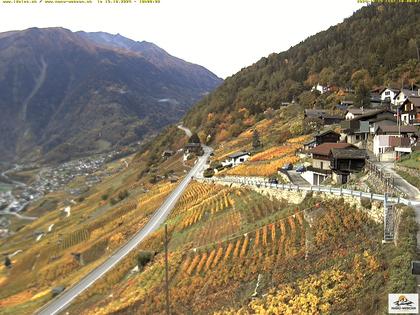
(320, 88)
(167, 153)
(403, 94)
(409, 111)
(345, 161)
(320, 138)
(388, 137)
(353, 113)
(388, 94)
(359, 130)
(236, 159)
(344, 105)
(323, 115)
(193, 148)
(321, 156)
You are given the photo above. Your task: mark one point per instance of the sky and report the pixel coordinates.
(221, 35)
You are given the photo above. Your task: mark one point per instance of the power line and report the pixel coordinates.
(166, 271)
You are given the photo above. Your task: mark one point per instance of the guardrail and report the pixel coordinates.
(386, 178)
(320, 188)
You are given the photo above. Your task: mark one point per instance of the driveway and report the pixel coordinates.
(411, 191)
(297, 179)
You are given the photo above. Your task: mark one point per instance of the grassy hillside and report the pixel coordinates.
(375, 46)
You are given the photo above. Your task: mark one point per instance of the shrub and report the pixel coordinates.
(366, 203)
(123, 194)
(208, 172)
(104, 196)
(143, 258)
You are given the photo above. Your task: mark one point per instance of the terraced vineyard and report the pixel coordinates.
(75, 244)
(267, 163)
(219, 262)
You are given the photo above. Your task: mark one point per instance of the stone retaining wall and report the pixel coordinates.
(297, 197)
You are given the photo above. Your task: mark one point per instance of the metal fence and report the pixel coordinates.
(386, 178)
(320, 188)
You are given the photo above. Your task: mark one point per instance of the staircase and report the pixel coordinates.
(389, 223)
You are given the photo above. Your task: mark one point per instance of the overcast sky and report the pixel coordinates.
(221, 35)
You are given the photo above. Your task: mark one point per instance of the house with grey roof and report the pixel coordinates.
(236, 159)
(403, 94)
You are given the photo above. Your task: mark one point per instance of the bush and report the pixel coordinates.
(143, 258)
(123, 194)
(7, 262)
(104, 196)
(366, 203)
(208, 172)
(153, 179)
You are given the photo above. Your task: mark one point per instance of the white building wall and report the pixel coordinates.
(388, 93)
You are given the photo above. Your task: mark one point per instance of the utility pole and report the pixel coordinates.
(166, 271)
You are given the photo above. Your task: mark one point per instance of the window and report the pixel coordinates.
(387, 93)
(322, 165)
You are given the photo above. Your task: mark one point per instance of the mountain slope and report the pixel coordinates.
(380, 39)
(64, 95)
(190, 74)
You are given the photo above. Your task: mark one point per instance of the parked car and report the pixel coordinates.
(301, 169)
(287, 167)
(273, 180)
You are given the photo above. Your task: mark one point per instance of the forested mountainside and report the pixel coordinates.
(64, 94)
(376, 46)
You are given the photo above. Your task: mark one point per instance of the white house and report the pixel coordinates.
(236, 159)
(402, 95)
(320, 88)
(388, 95)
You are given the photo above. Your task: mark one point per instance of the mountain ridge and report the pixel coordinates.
(65, 95)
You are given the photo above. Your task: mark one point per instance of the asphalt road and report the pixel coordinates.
(62, 301)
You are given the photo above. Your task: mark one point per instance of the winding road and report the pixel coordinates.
(63, 300)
